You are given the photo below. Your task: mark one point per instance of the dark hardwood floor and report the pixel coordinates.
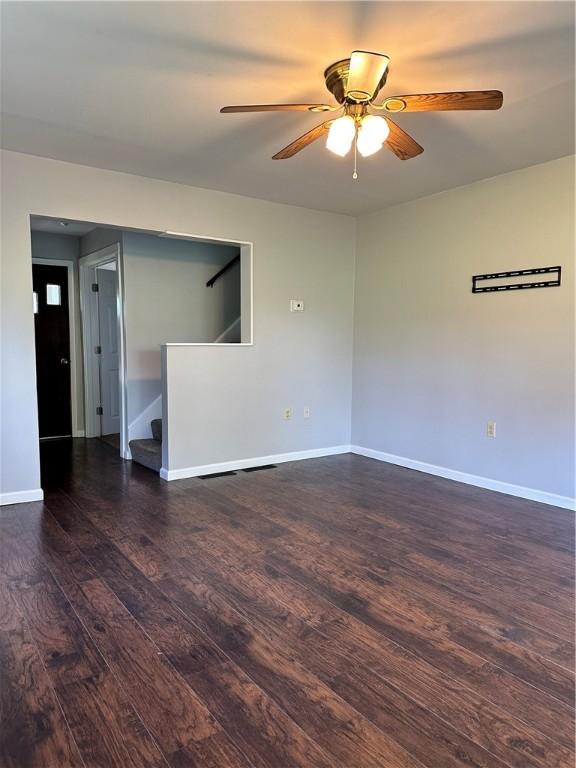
(336, 612)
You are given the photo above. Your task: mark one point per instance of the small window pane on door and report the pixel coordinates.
(35, 302)
(53, 296)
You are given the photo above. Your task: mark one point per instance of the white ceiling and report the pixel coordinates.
(60, 226)
(137, 87)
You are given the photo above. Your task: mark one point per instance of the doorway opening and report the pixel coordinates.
(101, 305)
(55, 330)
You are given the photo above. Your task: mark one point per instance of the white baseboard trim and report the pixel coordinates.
(78, 433)
(230, 466)
(566, 502)
(21, 497)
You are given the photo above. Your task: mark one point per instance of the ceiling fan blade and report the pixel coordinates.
(302, 141)
(365, 73)
(280, 108)
(401, 143)
(443, 102)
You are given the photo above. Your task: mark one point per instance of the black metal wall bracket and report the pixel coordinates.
(554, 281)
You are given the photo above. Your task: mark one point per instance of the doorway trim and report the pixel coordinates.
(73, 331)
(87, 265)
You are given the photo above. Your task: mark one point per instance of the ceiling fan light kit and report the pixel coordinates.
(355, 83)
(369, 131)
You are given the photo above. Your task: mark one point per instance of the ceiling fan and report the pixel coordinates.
(355, 84)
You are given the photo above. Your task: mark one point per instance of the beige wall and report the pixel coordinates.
(434, 362)
(298, 253)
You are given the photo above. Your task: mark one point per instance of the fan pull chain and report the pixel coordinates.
(355, 174)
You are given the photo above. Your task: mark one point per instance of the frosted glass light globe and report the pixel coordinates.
(372, 134)
(341, 135)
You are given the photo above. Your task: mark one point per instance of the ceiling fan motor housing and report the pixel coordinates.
(336, 77)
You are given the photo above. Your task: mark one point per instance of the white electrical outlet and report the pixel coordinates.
(296, 305)
(491, 429)
(287, 413)
(306, 412)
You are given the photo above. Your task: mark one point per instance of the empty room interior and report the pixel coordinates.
(287, 403)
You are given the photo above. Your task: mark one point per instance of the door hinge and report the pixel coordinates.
(94, 287)
(99, 411)
(98, 350)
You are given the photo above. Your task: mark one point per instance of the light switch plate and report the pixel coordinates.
(296, 305)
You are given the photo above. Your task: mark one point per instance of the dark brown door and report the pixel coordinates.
(52, 326)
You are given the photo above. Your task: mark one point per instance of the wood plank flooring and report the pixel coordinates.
(336, 612)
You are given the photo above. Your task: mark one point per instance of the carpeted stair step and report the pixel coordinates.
(156, 425)
(147, 452)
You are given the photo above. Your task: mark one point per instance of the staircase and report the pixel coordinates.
(149, 452)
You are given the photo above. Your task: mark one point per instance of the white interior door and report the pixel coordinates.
(109, 349)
